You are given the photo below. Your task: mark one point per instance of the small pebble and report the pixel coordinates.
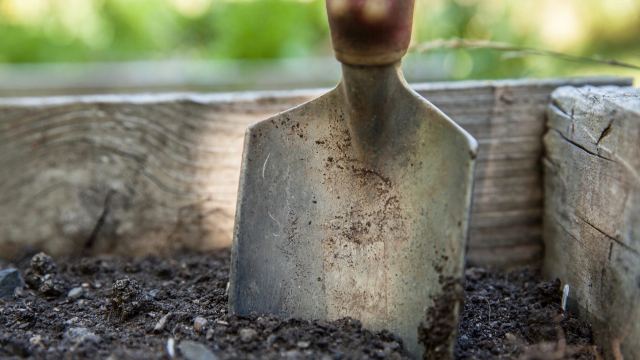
(80, 336)
(192, 350)
(510, 337)
(271, 339)
(10, 280)
(246, 335)
(393, 346)
(75, 293)
(292, 354)
(303, 344)
(200, 323)
(158, 294)
(162, 323)
(35, 340)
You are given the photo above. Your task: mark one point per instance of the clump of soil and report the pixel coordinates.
(42, 264)
(128, 298)
(41, 276)
(152, 307)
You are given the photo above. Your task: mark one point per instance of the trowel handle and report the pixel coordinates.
(370, 32)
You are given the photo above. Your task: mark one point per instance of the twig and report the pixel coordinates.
(517, 50)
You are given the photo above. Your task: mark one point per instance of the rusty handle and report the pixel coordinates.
(370, 32)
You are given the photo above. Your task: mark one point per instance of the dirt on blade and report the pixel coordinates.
(440, 324)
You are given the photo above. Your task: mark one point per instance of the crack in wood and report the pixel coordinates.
(579, 241)
(605, 132)
(581, 147)
(89, 244)
(617, 241)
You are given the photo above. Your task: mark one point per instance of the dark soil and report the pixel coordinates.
(514, 314)
(136, 308)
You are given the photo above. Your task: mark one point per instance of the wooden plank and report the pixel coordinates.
(124, 174)
(510, 235)
(592, 202)
(139, 173)
(505, 256)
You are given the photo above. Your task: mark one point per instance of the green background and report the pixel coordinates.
(37, 31)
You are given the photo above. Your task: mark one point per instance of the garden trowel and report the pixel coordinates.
(356, 204)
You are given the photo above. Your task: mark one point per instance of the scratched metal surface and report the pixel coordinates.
(353, 204)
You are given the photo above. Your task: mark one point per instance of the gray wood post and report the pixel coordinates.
(592, 209)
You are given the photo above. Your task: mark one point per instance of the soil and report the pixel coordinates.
(118, 308)
(514, 314)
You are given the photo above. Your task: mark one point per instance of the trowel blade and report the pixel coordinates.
(328, 228)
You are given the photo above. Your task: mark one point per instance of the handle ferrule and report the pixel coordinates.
(370, 32)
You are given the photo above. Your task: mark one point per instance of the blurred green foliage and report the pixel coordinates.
(118, 30)
(126, 30)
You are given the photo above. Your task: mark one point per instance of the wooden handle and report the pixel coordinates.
(370, 32)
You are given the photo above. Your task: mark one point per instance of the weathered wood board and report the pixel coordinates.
(124, 174)
(139, 173)
(592, 209)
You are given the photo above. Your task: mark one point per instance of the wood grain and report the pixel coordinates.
(592, 202)
(132, 174)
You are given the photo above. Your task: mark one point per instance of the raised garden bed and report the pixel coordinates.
(126, 175)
